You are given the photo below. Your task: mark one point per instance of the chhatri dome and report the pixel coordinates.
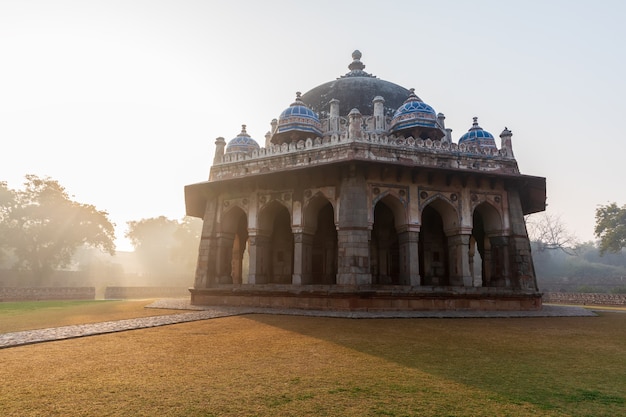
(242, 143)
(297, 122)
(477, 136)
(413, 116)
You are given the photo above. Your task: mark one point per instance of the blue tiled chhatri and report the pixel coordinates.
(242, 143)
(477, 136)
(413, 113)
(298, 117)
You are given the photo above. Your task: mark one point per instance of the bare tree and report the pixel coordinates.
(548, 232)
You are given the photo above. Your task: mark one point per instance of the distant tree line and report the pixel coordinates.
(43, 230)
(564, 264)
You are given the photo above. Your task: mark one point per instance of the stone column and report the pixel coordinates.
(220, 144)
(334, 116)
(522, 272)
(379, 114)
(409, 258)
(458, 258)
(354, 127)
(205, 268)
(488, 264)
(207, 251)
(259, 257)
(223, 261)
(506, 143)
(353, 263)
(302, 252)
(353, 230)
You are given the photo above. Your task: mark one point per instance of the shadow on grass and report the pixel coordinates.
(567, 365)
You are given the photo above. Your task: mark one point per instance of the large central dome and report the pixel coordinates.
(356, 89)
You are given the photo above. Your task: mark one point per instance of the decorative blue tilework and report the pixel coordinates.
(477, 136)
(242, 143)
(298, 117)
(413, 113)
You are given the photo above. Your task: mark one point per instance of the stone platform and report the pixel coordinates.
(368, 298)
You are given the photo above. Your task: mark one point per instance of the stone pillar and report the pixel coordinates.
(353, 229)
(260, 258)
(522, 271)
(379, 114)
(303, 248)
(441, 120)
(488, 263)
(220, 145)
(458, 258)
(334, 116)
(207, 251)
(353, 253)
(223, 261)
(354, 128)
(409, 258)
(505, 142)
(205, 268)
(448, 135)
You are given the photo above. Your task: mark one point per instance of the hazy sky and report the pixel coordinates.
(121, 101)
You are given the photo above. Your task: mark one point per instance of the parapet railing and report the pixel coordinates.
(428, 145)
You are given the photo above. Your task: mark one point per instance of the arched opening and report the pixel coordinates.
(233, 245)
(324, 250)
(384, 247)
(486, 251)
(433, 249)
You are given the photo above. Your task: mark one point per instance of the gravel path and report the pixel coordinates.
(195, 313)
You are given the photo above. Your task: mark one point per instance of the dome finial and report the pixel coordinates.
(475, 121)
(243, 129)
(356, 64)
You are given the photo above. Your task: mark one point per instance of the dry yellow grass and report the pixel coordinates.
(262, 365)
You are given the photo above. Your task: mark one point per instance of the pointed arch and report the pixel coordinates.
(312, 208)
(395, 205)
(491, 217)
(446, 210)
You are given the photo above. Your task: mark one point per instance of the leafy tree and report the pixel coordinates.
(166, 248)
(187, 237)
(42, 226)
(611, 227)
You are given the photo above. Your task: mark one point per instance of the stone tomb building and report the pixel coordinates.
(361, 200)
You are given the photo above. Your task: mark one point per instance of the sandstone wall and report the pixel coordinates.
(47, 293)
(584, 298)
(145, 292)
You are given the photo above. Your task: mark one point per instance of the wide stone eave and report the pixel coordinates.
(532, 189)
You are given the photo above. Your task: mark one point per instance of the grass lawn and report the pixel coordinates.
(266, 365)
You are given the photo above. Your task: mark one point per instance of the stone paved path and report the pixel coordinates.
(203, 313)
